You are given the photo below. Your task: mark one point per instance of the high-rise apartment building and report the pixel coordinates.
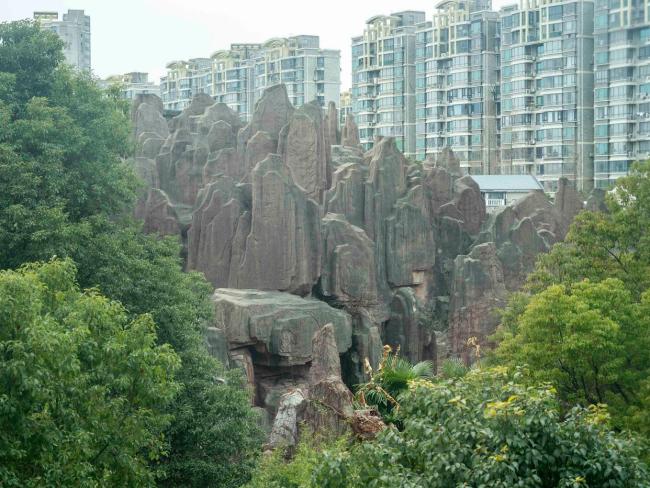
(239, 76)
(132, 84)
(383, 79)
(185, 79)
(547, 110)
(74, 31)
(457, 84)
(622, 87)
(345, 107)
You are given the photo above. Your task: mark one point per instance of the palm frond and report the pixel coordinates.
(423, 369)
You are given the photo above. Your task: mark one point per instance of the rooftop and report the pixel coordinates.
(507, 182)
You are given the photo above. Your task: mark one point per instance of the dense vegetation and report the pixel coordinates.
(584, 324)
(487, 429)
(85, 388)
(105, 379)
(68, 192)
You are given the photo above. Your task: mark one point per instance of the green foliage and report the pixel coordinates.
(599, 245)
(83, 386)
(592, 340)
(66, 191)
(453, 368)
(215, 433)
(488, 429)
(27, 58)
(586, 327)
(61, 147)
(276, 471)
(391, 378)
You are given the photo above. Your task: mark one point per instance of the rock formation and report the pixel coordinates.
(322, 254)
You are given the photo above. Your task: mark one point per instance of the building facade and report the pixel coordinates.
(239, 76)
(547, 106)
(132, 84)
(622, 87)
(457, 84)
(344, 106)
(74, 31)
(383, 79)
(501, 190)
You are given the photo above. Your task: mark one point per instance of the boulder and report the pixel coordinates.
(348, 266)
(278, 326)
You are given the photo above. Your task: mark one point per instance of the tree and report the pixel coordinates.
(488, 429)
(214, 438)
(28, 56)
(600, 245)
(584, 324)
(83, 386)
(61, 148)
(591, 340)
(277, 471)
(67, 191)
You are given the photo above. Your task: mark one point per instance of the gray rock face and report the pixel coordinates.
(410, 248)
(272, 112)
(160, 215)
(302, 146)
(386, 250)
(332, 134)
(403, 330)
(477, 289)
(350, 132)
(470, 204)
(348, 269)
(325, 405)
(258, 148)
(282, 250)
(147, 117)
(217, 221)
(278, 326)
(347, 194)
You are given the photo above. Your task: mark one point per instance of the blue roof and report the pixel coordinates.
(507, 182)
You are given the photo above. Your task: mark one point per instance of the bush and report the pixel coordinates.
(488, 429)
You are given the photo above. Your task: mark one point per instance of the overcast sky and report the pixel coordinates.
(144, 35)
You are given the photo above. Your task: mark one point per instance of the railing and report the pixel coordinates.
(500, 202)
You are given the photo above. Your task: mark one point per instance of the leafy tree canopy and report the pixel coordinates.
(67, 191)
(584, 324)
(600, 245)
(61, 147)
(83, 386)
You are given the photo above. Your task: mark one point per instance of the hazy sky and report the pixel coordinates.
(144, 35)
